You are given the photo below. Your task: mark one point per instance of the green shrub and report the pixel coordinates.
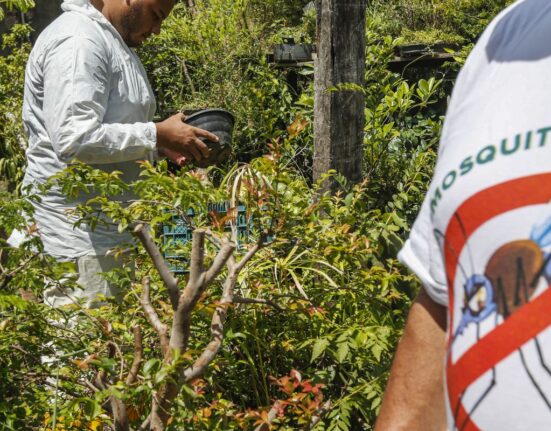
(429, 21)
(12, 74)
(216, 57)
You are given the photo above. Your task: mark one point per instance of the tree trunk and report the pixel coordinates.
(339, 115)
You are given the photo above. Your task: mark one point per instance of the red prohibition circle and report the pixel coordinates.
(521, 326)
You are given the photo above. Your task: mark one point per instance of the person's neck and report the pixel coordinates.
(98, 4)
(102, 7)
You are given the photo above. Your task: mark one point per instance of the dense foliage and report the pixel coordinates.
(22, 5)
(422, 21)
(215, 56)
(322, 305)
(12, 140)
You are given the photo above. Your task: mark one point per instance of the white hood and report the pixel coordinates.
(86, 8)
(69, 3)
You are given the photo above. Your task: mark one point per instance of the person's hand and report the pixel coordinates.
(181, 138)
(173, 156)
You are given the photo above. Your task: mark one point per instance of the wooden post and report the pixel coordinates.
(339, 117)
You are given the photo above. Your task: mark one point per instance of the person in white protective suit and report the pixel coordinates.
(87, 98)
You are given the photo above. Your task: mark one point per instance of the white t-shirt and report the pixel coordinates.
(87, 97)
(482, 241)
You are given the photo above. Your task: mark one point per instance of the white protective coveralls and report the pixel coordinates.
(87, 97)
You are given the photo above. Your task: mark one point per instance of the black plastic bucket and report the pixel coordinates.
(219, 122)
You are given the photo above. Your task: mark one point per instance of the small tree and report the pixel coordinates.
(173, 329)
(183, 304)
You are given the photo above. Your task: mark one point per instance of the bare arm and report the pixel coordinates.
(414, 397)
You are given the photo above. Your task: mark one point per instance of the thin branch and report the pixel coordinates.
(118, 351)
(197, 258)
(240, 300)
(23, 265)
(319, 414)
(62, 328)
(117, 407)
(272, 414)
(186, 72)
(91, 386)
(219, 261)
(259, 244)
(26, 375)
(169, 280)
(213, 238)
(99, 380)
(8, 277)
(3, 257)
(105, 329)
(217, 331)
(55, 386)
(138, 353)
(145, 424)
(153, 317)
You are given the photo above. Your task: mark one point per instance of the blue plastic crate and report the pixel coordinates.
(179, 232)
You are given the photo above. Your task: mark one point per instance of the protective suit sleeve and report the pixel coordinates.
(76, 92)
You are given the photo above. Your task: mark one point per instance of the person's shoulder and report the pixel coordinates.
(69, 25)
(519, 33)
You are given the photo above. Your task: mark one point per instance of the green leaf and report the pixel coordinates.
(319, 347)
(92, 408)
(7, 301)
(151, 366)
(377, 350)
(342, 352)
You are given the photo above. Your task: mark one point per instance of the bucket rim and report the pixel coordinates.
(204, 112)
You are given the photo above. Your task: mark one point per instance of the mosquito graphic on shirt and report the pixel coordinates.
(508, 282)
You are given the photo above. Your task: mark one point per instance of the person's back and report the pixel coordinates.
(480, 244)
